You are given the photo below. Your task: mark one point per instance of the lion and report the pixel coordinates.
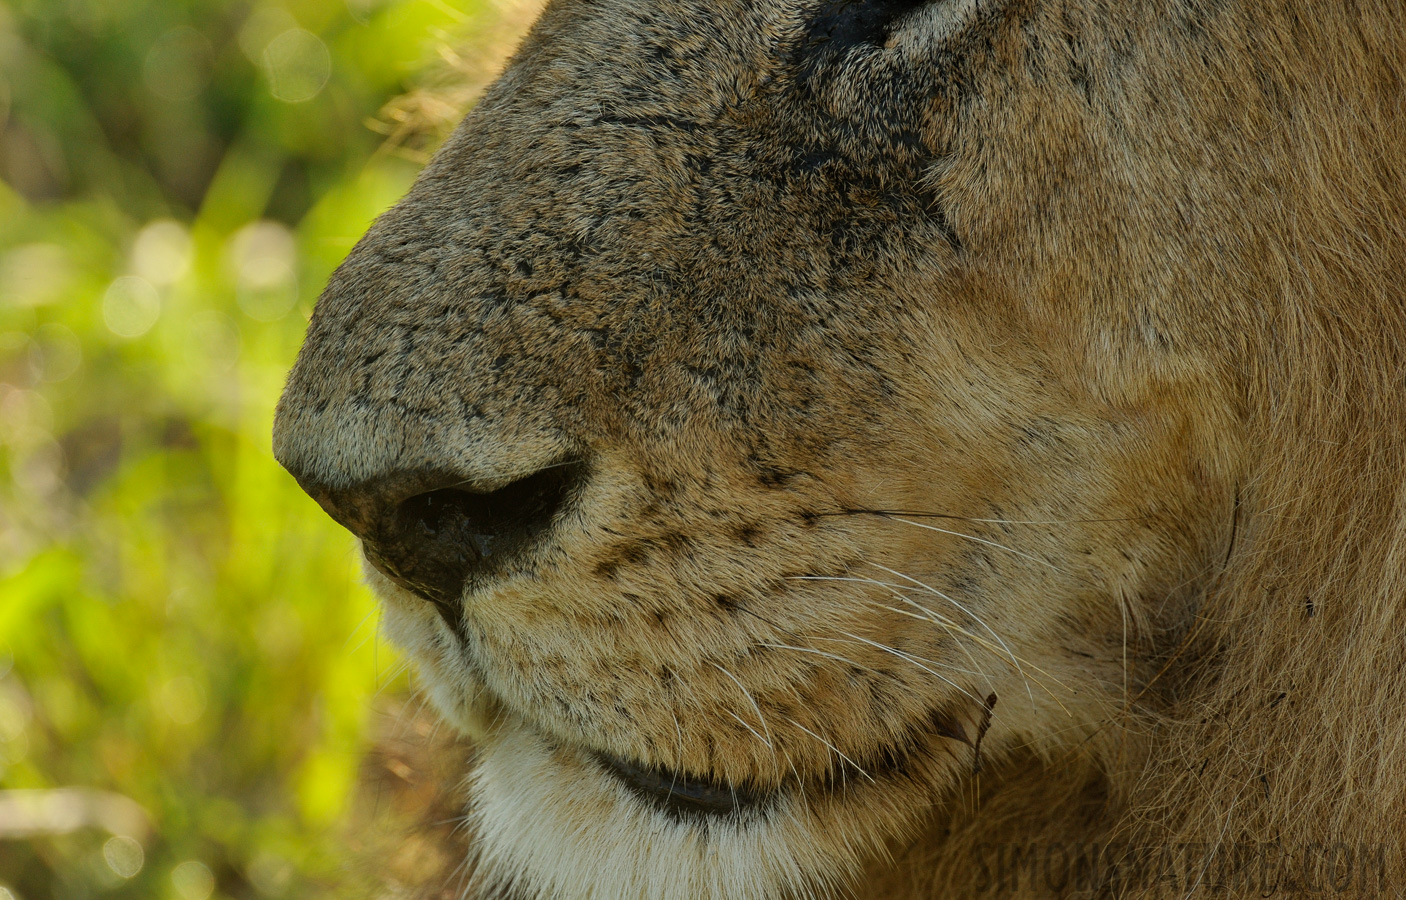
(898, 449)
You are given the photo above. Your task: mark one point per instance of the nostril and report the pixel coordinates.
(433, 541)
(490, 522)
(451, 516)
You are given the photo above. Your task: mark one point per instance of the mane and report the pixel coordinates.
(1274, 726)
(1285, 725)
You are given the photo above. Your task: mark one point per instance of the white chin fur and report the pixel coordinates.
(552, 824)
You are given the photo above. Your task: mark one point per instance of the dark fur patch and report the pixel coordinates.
(844, 24)
(747, 535)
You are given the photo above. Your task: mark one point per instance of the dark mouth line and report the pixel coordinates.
(683, 796)
(697, 799)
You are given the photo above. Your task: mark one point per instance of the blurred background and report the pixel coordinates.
(194, 699)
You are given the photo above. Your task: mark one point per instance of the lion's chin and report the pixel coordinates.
(553, 821)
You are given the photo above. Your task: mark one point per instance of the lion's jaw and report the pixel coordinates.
(553, 818)
(879, 466)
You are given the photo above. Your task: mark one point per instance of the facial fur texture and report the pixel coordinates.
(990, 423)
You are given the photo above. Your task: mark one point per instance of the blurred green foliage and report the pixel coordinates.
(186, 652)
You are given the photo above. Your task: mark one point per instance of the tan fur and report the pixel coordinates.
(1043, 359)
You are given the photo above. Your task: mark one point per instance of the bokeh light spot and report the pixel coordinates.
(15, 717)
(39, 472)
(124, 856)
(162, 252)
(263, 25)
(22, 410)
(131, 306)
(360, 10)
(263, 258)
(193, 880)
(298, 65)
(270, 875)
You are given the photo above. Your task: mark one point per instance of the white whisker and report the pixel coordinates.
(754, 731)
(894, 588)
(973, 616)
(748, 694)
(904, 655)
(928, 615)
(909, 659)
(833, 748)
(839, 659)
(975, 539)
(1001, 650)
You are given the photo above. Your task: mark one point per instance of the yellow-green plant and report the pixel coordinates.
(186, 653)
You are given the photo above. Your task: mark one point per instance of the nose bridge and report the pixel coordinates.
(414, 363)
(489, 324)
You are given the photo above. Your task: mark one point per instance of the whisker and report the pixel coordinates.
(973, 616)
(896, 513)
(895, 588)
(906, 658)
(800, 782)
(748, 694)
(930, 615)
(836, 750)
(466, 865)
(387, 679)
(974, 538)
(1003, 653)
(678, 751)
(839, 659)
(755, 734)
(957, 630)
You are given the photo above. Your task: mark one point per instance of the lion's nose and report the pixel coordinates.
(431, 532)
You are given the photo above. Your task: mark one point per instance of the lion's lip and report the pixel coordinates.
(683, 795)
(690, 797)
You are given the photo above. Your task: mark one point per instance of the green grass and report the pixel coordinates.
(179, 625)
